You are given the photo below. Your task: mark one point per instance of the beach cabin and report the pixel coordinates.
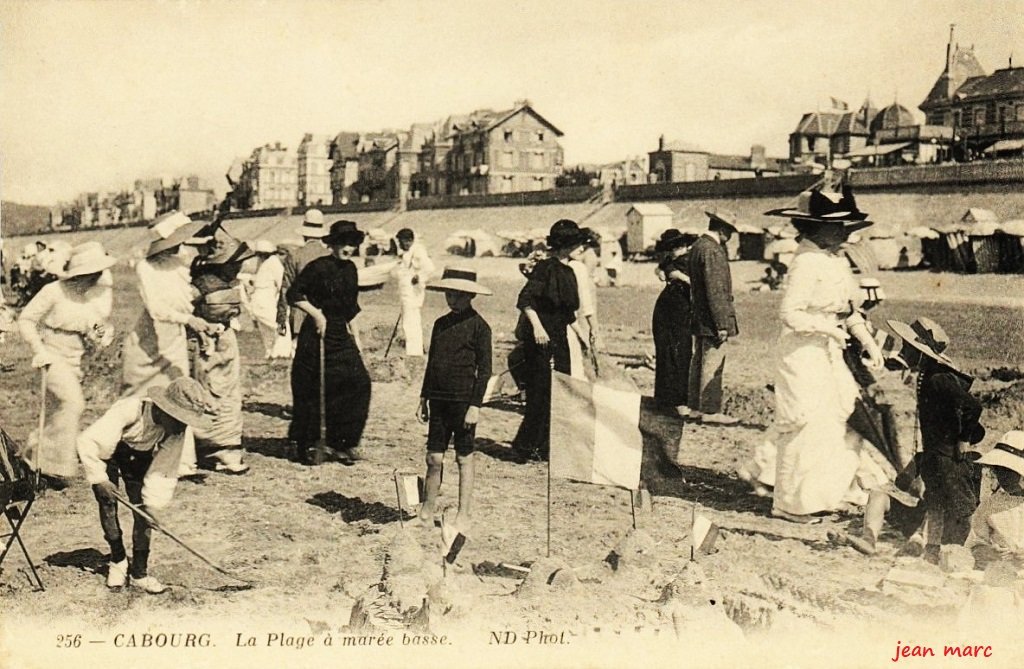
(644, 224)
(1011, 246)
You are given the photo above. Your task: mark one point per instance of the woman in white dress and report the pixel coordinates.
(65, 318)
(156, 350)
(264, 301)
(820, 463)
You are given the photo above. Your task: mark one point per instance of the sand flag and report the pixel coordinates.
(595, 433)
(704, 534)
(409, 486)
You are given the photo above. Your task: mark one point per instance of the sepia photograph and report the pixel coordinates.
(551, 333)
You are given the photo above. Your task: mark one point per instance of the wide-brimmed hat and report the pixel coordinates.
(461, 279)
(672, 239)
(264, 247)
(722, 217)
(344, 233)
(227, 250)
(178, 237)
(88, 258)
(313, 224)
(564, 234)
(1008, 452)
(816, 205)
(926, 336)
(186, 400)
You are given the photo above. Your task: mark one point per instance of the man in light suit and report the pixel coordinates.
(714, 317)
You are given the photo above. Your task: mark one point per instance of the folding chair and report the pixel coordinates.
(17, 494)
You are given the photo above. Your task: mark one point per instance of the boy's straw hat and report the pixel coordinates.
(461, 279)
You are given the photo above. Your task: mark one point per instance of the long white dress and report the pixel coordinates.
(588, 308)
(266, 291)
(820, 463)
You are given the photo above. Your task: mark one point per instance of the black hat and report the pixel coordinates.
(405, 233)
(344, 233)
(565, 234)
(816, 206)
(673, 239)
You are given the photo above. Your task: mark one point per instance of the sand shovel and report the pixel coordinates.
(38, 456)
(167, 533)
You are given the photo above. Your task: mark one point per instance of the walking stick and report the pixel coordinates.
(163, 530)
(42, 424)
(394, 332)
(320, 454)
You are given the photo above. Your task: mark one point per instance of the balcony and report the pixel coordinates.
(1005, 129)
(914, 133)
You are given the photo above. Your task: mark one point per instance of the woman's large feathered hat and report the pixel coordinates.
(821, 204)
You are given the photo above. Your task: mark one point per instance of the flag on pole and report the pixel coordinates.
(839, 105)
(409, 488)
(704, 534)
(595, 435)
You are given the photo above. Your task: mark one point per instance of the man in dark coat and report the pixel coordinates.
(714, 317)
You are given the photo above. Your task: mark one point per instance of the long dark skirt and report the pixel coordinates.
(533, 439)
(673, 346)
(347, 385)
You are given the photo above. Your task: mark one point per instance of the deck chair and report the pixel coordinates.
(17, 494)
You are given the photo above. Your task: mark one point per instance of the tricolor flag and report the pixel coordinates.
(608, 436)
(704, 533)
(409, 488)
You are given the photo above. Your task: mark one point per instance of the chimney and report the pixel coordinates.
(757, 156)
(661, 142)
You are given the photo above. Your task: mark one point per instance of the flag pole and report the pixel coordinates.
(398, 495)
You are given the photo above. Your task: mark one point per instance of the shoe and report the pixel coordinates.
(687, 413)
(718, 419)
(354, 454)
(149, 584)
(794, 518)
(117, 574)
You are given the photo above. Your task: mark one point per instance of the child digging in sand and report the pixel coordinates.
(458, 368)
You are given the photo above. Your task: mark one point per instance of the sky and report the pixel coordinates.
(94, 95)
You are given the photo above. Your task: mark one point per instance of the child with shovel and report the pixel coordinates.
(140, 440)
(458, 368)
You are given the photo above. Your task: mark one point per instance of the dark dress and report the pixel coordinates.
(948, 414)
(552, 292)
(331, 285)
(673, 345)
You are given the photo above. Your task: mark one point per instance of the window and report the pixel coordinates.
(979, 116)
(506, 185)
(508, 159)
(540, 135)
(536, 160)
(1020, 111)
(538, 183)
(508, 136)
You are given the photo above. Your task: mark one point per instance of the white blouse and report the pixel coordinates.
(821, 292)
(166, 289)
(61, 316)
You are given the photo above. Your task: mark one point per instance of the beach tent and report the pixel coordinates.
(1010, 239)
(751, 242)
(984, 246)
(644, 224)
(472, 244)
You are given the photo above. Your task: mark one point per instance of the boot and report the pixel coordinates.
(149, 584)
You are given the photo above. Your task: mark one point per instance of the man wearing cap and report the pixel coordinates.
(140, 440)
(714, 317)
(313, 231)
(413, 270)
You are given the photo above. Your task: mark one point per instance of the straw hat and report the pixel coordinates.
(722, 217)
(313, 224)
(926, 336)
(1009, 452)
(264, 247)
(165, 224)
(185, 400)
(88, 258)
(177, 237)
(459, 278)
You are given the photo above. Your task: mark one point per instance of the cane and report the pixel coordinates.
(321, 444)
(42, 424)
(394, 332)
(167, 533)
